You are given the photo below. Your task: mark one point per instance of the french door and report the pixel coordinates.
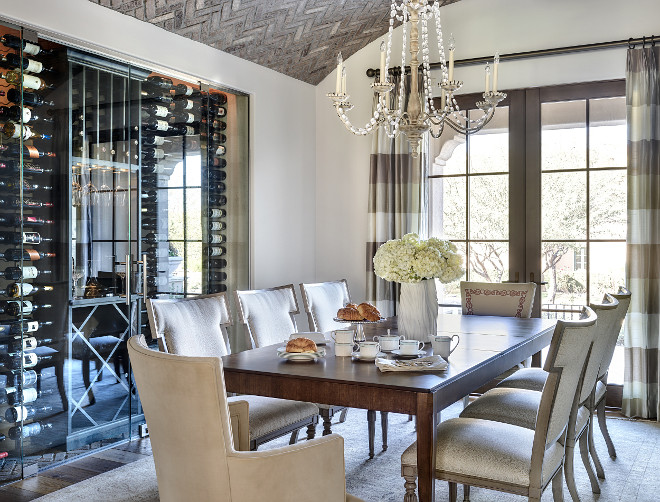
(538, 195)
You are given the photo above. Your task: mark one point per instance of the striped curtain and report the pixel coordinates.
(397, 204)
(641, 394)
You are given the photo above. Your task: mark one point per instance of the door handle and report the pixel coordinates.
(516, 278)
(143, 262)
(129, 272)
(538, 283)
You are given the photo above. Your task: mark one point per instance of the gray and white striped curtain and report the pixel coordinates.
(397, 204)
(641, 394)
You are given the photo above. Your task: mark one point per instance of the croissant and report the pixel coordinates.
(301, 345)
(369, 312)
(349, 314)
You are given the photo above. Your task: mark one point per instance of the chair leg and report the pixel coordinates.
(59, 375)
(584, 453)
(87, 381)
(410, 418)
(569, 472)
(327, 424)
(466, 401)
(99, 370)
(371, 425)
(466, 493)
(117, 367)
(558, 487)
(453, 492)
(342, 415)
(600, 472)
(410, 485)
(602, 423)
(311, 431)
(294, 437)
(383, 428)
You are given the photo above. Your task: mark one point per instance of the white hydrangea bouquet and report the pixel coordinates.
(411, 260)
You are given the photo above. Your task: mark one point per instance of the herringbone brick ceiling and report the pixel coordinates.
(299, 38)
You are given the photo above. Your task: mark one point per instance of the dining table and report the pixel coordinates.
(488, 347)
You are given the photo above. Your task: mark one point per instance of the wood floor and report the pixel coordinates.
(56, 478)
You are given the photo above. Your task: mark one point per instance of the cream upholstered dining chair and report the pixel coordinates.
(497, 299)
(510, 458)
(534, 378)
(520, 406)
(321, 301)
(197, 326)
(204, 464)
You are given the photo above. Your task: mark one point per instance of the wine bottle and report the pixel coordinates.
(216, 250)
(218, 187)
(149, 140)
(218, 288)
(221, 150)
(28, 98)
(25, 359)
(155, 125)
(31, 187)
(182, 130)
(216, 212)
(26, 326)
(28, 151)
(11, 220)
(22, 237)
(28, 203)
(156, 97)
(217, 175)
(219, 162)
(20, 273)
(25, 255)
(182, 117)
(28, 343)
(216, 238)
(28, 430)
(12, 130)
(152, 109)
(16, 42)
(184, 90)
(151, 153)
(153, 168)
(153, 237)
(18, 289)
(14, 166)
(162, 82)
(217, 225)
(16, 113)
(217, 200)
(22, 378)
(157, 252)
(218, 263)
(28, 65)
(181, 105)
(20, 413)
(220, 111)
(218, 276)
(14, 77)
(214, 124)
(20, 307)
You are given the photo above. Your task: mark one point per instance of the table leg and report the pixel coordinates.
(426, 436)
(371, 424)
(536, 360)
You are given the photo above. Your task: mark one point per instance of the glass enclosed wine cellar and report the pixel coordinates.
(118, 183)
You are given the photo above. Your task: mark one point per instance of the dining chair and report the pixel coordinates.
(504, 457)
(202, 461)
(197, 326)
(321, 301)
(520, 406)
(497, 299)
(534, 378)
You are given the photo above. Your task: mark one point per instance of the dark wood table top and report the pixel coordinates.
(488, 346)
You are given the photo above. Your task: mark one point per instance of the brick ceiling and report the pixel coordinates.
(299, 38)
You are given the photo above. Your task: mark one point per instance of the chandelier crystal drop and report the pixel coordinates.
(420, 115)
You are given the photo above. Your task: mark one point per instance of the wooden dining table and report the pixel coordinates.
(488, 347)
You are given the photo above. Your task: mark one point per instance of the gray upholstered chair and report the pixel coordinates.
(202, 463)
(534, 378)
(321, 301)
(196, 326)
(520, 406)
(510, 458)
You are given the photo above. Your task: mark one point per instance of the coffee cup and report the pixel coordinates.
(410, 347)
(369, 350)
(343, 336)
(442, 345)
(344, 349)
(388, 342)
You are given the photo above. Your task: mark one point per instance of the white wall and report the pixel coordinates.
(480, 28)
(282, 123)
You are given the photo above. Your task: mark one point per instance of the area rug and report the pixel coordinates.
(633, 477)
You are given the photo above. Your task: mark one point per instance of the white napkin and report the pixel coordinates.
(312, 335)
(429, 363)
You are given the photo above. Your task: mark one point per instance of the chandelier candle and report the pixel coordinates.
(340, 72)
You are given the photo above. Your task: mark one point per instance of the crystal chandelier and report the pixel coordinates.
(420, 114)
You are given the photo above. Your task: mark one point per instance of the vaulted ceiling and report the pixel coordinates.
(299, 38)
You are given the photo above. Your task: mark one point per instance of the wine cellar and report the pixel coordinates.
(118, 183)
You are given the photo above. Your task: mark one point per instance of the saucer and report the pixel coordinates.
(298, 357)
(417, 354)
(358, 357)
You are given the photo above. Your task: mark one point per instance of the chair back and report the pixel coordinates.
(194, 326)
(497, 299)
(566, 361)
(322, 300)
(607, 313)
(268, 314)
(191, 463)
(623, 297)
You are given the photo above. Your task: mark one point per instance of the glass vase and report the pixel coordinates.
(418, 310)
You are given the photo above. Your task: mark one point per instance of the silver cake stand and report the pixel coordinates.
(359, 330)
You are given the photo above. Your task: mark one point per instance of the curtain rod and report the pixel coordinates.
(631, 42)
